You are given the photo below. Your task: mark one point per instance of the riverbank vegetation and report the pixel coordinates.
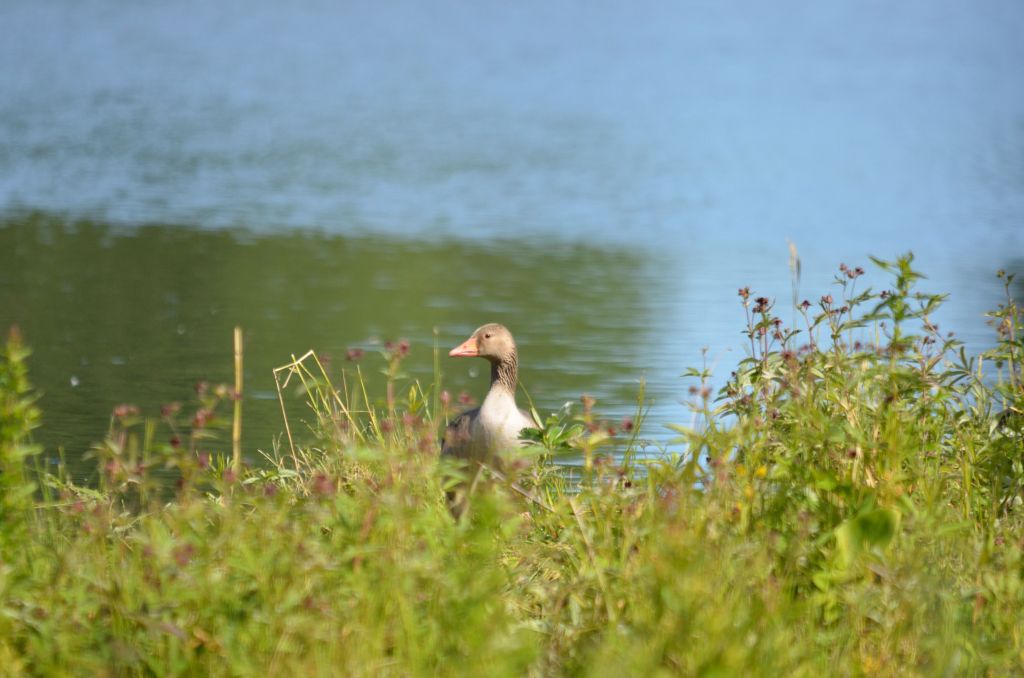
(850, 502)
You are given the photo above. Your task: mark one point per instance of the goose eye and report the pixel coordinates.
(487, 336)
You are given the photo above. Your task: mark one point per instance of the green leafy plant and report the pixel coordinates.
(848, 502)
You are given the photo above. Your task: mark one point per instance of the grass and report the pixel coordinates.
(849, 503)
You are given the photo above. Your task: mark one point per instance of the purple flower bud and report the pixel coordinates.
(125, 411)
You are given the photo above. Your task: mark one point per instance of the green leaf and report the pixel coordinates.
(866, 531)
(823, 480)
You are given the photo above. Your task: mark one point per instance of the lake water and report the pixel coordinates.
(600, 177)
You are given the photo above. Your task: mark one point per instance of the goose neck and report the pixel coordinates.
(504, 373)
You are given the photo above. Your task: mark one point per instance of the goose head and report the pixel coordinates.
(492, 341)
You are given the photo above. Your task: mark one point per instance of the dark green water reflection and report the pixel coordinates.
(141, 315)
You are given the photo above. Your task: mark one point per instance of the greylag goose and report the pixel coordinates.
(478, 435)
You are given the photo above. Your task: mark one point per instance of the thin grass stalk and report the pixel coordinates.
(236, 427)
(290, 367)
(435, 403)
(592, 557)
(309, 381)
(518, 489)
(335, 396)
(369, 408)
(630, 452)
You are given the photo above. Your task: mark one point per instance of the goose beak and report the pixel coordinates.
(467, 349)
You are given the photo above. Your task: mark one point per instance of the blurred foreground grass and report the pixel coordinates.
(849, 503)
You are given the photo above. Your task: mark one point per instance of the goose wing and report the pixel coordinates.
(458, 436)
